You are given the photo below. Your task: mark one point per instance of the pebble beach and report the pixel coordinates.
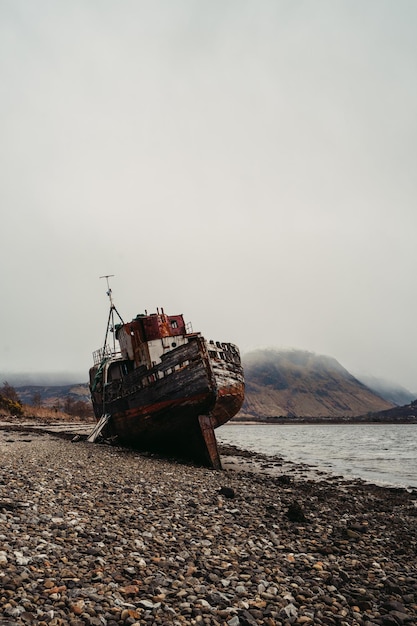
(102, 535)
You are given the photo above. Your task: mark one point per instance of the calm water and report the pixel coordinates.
(382, 454)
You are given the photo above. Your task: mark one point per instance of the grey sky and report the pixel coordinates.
(249, 164)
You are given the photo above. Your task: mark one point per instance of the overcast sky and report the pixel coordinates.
(249, 164)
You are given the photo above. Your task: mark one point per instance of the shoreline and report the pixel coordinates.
(94, 534)
(302, 421)
(233, 457)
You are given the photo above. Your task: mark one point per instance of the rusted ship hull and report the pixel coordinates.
(174, 407)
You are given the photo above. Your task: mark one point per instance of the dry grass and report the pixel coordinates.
(50, 414)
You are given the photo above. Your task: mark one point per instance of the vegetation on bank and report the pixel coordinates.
(68, 409)
(9, 400)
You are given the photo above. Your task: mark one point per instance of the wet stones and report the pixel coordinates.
(227, 492)
(295, 513)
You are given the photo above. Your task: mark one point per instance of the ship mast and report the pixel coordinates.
(113, 310)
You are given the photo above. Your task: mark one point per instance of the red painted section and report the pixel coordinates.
(156, 326)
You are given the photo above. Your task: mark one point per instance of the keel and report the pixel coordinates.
(206, 427)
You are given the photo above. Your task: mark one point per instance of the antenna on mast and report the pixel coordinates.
(109, 291)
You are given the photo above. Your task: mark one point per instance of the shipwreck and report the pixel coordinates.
(160, 387)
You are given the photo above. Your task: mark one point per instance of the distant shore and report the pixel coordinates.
(98, 534)
(324, 420)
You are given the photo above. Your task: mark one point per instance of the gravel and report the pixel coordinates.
(101, 535)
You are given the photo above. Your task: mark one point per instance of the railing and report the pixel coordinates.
(223, 351)
(103, 353)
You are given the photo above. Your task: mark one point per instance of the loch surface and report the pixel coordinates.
(384, 454)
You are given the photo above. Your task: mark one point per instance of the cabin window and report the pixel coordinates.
(174, 324)
(173, 344)
(114, 373)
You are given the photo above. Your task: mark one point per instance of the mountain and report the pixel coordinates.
(52, 395)
(295, 383)
(389, 391)
(406, 413)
